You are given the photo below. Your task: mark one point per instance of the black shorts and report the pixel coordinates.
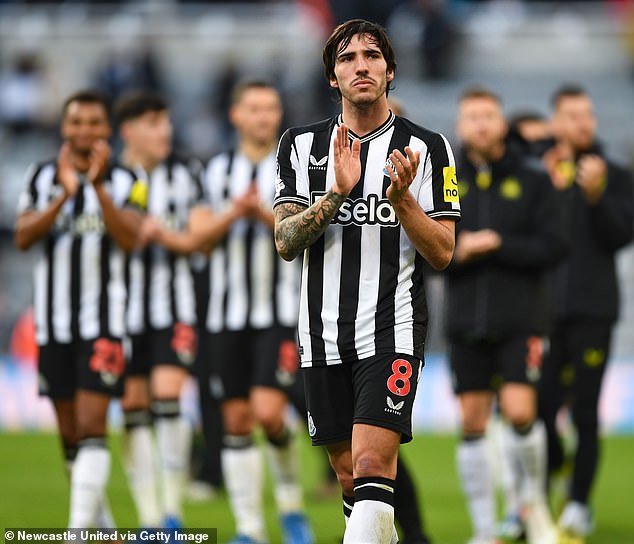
(378, 390)
(484, 365)
(244, 359)
(175, 346)
(93, 365)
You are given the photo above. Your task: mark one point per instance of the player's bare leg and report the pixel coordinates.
(140, 451)
(173, 436)
(366, 469)
(269, 407)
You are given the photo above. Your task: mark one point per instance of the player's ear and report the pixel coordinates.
(333, 83)
(390, 75)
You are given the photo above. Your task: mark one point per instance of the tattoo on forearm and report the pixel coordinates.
(298, 227)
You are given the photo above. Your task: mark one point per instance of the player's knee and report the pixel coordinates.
(237, 418)
(90, 424)
(270, 420)
(372, 463)
(520, 416)
(346, 483)
(473, 424)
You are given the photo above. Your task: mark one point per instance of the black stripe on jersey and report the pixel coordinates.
(171, 263)
(275, 278)
(388, 272)
(315, 277)
(104, 307)
(75, 265)
(249, 236)
(32, 185)
(50, 282)
(350, 274)
(147, 281)
(225, 242)
(226, 181)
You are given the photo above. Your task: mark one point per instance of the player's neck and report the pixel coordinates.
(364, 119)
(255, 151)
(131, 159)
(80, 162)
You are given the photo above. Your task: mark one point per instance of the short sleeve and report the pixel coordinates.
(291, 183)
(439, 186)
(27, 201)
(129, 190)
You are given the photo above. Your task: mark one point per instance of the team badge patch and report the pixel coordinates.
(450, 185)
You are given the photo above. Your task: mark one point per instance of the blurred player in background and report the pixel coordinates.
(498, 309)
(252, 314)
(600, 197)
(78, 212)
(160, 318)
(352, 199)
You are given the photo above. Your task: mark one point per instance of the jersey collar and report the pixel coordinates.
(370, 135)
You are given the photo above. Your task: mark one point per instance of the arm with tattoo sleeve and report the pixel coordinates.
(297, 227)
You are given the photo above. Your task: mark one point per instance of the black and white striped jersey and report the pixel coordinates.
(362, 289)
(79, 288)
(160, 283)
(250, 285)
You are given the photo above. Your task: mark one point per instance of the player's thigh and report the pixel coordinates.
(475, 411)
(136, 393)
(57, 373)
(374, 451)
(167, 381)
(518, 403)
(329, 403)
(269, 408)
(91, 412)
(384, 391)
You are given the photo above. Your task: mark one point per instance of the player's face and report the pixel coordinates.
(574, 122)
(361, 73)
(257, 116)
(150, 135)
(83, 124)
(481, 125)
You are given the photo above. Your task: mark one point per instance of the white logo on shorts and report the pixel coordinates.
(394, 408)
(312, 430)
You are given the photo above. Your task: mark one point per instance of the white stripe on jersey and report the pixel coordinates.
(61, 271)
(250, 285)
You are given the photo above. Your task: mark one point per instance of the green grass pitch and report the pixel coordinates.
(34, 492)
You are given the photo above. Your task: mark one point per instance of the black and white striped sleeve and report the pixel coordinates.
(291, 183)
(441, 181)
(27, 201)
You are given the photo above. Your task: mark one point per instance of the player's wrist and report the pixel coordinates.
(339, 193)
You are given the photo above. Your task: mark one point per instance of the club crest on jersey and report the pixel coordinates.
(371, 210)
(391, 165)
(317, 164)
